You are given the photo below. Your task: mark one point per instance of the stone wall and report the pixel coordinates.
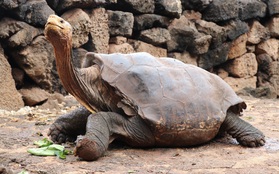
(238, 40)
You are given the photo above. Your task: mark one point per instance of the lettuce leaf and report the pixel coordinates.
(47, 148)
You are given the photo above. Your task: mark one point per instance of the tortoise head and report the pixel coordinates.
(58, 31)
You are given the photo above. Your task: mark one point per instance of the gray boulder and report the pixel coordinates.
(200, 44)
(220, 10)
(17, 33)
(235, 28)
(183, 32)
(214, 57)
(34, 12)
(273, 7)
(168, 8)
(218, 33)
(155, 36)
(148, 21)
(264, 67)
(11, 4)
(137, 6)
(120, 23)
(60, 6)
(251, 9)
(197, 5)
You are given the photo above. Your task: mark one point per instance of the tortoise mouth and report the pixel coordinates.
(49, 24)
(53, 31)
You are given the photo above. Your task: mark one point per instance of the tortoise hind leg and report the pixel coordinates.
(245, 133)
(104, 127)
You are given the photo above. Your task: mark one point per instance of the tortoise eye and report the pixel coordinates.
(61, 21)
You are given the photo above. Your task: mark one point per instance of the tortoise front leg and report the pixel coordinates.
(68, 126)
(104, 127)
(245, 133)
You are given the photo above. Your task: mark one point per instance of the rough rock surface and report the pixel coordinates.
(181, 28)
(17, 33)
(257, 32)
(238, 47)
(271, 47)
(235, 28)
(184, 57)
(119, 45)
(10, 98)
(274, 81)
(273, 26)
(251, 9)
(37, 62)
(214, 57)
(201, 44)
(148, 21)
(99, 32)
(243, 66)
(218, 33)
(61, 6)
(34, 12)
(220, 10)
(195, 4)
(81, 25)
(124, 48)
(155, 36)
(33, 96)
(140, 46)
(120, 23)
(240, 83)
(273, 6)
(18, 75)
(168, 8)
(138, 6)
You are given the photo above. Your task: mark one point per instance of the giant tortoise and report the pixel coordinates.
(142, 100)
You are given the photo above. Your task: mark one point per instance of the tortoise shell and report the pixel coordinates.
(180, 102)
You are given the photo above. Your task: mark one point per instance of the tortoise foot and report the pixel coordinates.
(87, 149)
(246, 134)
(252, 140)
(58, 133)
(68, 126)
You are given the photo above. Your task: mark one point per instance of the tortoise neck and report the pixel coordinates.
(64, 65)
(76, 85)
(68, 74)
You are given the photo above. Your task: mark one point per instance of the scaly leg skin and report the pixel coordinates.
(68, 126)
(245, 133)
(104, 127)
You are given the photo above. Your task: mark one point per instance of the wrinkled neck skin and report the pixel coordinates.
(68, 74)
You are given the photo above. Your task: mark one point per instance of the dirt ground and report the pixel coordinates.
(18, 131)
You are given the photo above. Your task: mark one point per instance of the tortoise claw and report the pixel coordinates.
(252, 140)
(58, 134)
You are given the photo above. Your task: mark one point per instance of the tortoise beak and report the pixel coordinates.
(55, 21)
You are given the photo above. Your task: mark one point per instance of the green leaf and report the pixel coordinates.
(42, 151)
(60, 154)
(47, 148)
(56, 147)
(68, 152)
(42, 143)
